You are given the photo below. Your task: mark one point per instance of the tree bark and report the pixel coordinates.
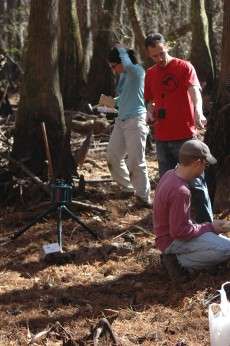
(200, 52)
(88, 39)
(3, 34)
(218, 131)
(40, 96)
(70, 55)
(209, 6)
(137, 27)
(119, 13)
(100, 76)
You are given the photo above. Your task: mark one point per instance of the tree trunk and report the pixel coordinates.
(119, 13)
(137, 27)
(40, 96)
(218, 131)
(12, 33)
(70, 55)
(200, 52)
(85, 14)
(20, 21)
(100, 76)
(209, 5)
(3, 14)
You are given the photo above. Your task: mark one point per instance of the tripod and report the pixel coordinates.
(61, 197)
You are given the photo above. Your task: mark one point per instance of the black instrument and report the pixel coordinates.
(61, 198)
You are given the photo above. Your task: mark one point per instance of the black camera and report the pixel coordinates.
(61, 192)
(161, 113)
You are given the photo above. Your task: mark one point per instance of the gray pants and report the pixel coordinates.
(129, 138)
(204, 251)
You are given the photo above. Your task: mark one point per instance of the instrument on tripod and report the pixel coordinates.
(61, 198)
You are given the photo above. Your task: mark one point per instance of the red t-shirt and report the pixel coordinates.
(167, 87)
(171, 212)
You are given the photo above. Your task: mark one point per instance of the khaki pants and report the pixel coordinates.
(129, 139)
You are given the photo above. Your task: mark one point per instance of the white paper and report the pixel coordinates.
(51, 248)
(104, 109)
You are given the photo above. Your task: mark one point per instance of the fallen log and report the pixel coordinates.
(81, 205)
(85, 127)
(82, 116)
(26, 170)
(94, 181)
(87, 206)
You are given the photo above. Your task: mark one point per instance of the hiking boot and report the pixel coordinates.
(175, 271)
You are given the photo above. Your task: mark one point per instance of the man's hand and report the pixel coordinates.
(201, 121)
(195, 94)
(150, 113)
(221, 226)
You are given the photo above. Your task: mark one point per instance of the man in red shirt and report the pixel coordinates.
(195, 245)
(172, 91)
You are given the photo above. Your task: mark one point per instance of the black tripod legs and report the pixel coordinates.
(37, 218)
(59, 210)
(59, 226)
(76, 218)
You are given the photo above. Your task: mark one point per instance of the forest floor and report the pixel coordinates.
(118, 277)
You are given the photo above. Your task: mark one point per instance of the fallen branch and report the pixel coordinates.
(82, 127)
(79, 204)
(139, 228)
(26, 170)
(83, 150)
(94, 181)
(81, 116)
(120, 235)
(89, 206)
(103, 327)
(34, 338)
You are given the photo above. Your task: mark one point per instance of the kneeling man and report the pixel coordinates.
(195, 246)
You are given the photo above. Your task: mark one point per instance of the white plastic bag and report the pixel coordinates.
(219, 320)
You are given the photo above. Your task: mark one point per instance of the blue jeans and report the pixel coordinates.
(207, 250)
(167, 156)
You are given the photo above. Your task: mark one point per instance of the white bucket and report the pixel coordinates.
(219, 320)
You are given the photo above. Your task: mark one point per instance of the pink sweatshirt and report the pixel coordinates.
(171, 212)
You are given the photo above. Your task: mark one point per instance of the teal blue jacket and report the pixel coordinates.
(131, 91)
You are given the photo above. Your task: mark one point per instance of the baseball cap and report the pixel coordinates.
(198, 149)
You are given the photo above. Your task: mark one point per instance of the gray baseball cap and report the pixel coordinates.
(198, 149)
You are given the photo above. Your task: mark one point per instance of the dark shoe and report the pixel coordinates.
(125, 194)
(141, 203)
(175, 271)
